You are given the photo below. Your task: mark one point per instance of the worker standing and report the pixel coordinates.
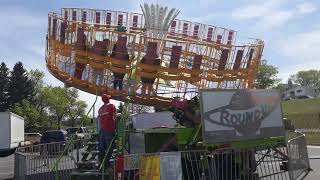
(107, 118)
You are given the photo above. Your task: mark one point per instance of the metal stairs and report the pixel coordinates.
(89, 166)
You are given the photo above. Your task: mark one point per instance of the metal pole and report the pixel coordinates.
(93, 114)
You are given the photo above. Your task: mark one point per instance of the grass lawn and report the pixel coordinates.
(304, 113)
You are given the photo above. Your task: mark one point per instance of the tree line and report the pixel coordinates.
(267, 77)
(42, 106)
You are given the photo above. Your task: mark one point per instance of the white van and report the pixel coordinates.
(11, 132)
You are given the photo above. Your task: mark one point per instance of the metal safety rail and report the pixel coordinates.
(135, 22)
(287, 160)
(80, 55)
(220, 164)
(299, 165)
(282, 160)
(37, 162)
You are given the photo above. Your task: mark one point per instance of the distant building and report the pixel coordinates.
(299, 92)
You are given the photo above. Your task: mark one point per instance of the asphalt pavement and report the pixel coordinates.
(314, 159)
(7, 165)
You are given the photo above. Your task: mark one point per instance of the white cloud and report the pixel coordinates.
(268, 14)
(304, 46)
(302, 52)
(306, 7)
(17, 19)
(274, 19)
(257, 10)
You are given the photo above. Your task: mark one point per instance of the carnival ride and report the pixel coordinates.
(127, 55)
(157, 60)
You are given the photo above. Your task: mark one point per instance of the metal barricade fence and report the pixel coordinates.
(221, 164)
(46, 161)
(273, 161)
(298, 156)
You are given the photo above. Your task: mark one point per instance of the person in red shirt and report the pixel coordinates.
(107, 120)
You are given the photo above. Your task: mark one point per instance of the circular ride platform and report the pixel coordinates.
(103, 50)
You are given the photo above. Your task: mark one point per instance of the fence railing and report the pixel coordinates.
(38, 161)
(283, 160)
(298, 156)
(220, 164)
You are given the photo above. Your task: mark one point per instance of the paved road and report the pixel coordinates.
(6, 167)
(314, 155)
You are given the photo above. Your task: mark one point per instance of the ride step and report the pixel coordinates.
(93, 143)
(93, 152)
(85, 155)
(92, 175)
(88, 165)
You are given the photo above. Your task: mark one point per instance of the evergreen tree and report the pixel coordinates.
(21, 86)
(4, 83)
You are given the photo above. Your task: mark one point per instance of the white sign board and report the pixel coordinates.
(235, 115)
(154, 120)
(170, 166)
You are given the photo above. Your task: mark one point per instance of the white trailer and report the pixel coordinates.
(11, 132)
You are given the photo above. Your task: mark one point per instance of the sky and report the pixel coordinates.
(290, 28)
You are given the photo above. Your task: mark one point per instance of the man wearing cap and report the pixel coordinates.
(107, 118)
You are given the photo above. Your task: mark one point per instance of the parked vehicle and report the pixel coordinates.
(11, 133)
(55, 140)
(81, 133)
(34, 138)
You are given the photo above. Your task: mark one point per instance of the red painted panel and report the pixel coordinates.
(210, 34)
(196, 65)
(250, 58)
(175, 56)
(120, 19)
(81, 39)
(151, 53)
(100, 47)
(54, 28)
(219, 39)
(63, 27)
(173, 27)
(197, 62)
(108, 19)
(98, 17)
(237, 62)
(196, 31)
(230, 37)
(185, 29)
(74, 15)
(84, 16)
(223, 59)
(120, 50)
(135, 21)
(49, 25)
(66, 15)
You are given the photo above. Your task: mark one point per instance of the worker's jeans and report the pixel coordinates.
(105, 140)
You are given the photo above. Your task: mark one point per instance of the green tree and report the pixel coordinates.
(34, 120)
(4, 85)
(36, 78)
(307, 78)
(266, 76)
(76, 110)
(62, 104)
(20, 86)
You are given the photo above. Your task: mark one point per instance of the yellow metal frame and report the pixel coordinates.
(61, 58)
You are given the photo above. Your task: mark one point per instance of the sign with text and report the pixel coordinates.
(235, 115)
(170, 166)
